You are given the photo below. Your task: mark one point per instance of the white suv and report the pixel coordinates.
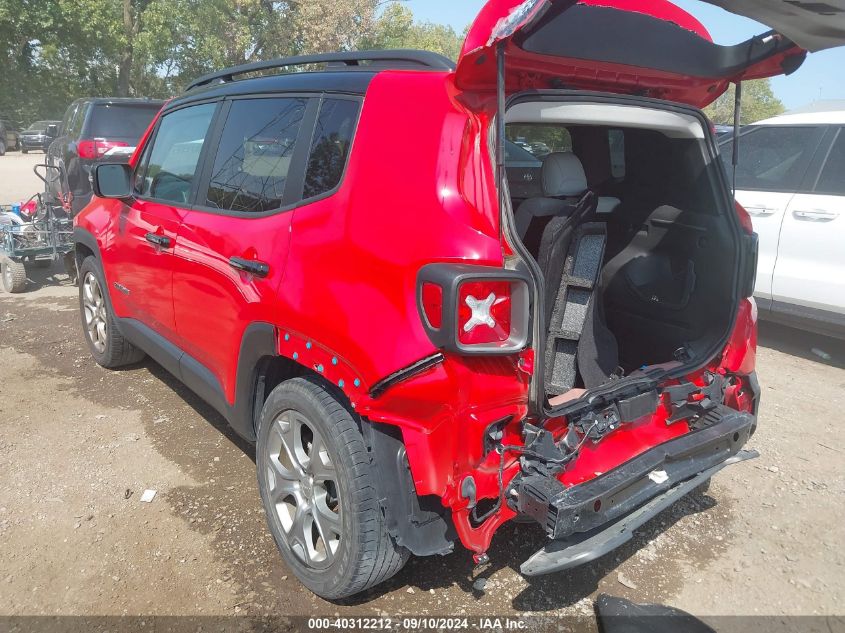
(791, 180)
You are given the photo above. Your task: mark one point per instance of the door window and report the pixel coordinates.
(772, 158)
(330, 146)
(168, 174)
(832, 179)
(253, 159)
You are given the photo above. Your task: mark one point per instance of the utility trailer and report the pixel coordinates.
(32, 240)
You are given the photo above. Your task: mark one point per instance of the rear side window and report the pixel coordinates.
(616, 139)
(832, 179)
(79, 120)
(253, 159)
(330, 146)
(121, 121)
(168, 174)
(772, 158)
(68, 120)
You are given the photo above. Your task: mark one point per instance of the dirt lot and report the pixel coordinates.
(79, 445)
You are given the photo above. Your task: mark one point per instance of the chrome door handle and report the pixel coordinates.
(815, 215)
(760, 212)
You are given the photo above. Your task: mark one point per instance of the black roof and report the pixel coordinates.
(124, 100)
(342, 82)
(346, 72)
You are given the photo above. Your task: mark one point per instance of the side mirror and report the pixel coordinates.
(52, 130)
(112, 180)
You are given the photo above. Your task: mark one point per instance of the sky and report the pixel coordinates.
(821, 77)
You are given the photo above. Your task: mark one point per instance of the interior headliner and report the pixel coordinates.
(672, 124)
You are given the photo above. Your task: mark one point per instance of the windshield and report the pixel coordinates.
(124, 121)
(516, 154)
(38, 126)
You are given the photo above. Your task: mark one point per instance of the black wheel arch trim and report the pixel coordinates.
(87, 239)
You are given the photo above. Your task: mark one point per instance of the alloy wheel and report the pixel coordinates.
(303, 489)
(96, 318)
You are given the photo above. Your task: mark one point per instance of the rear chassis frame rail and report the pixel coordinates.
(594, 518)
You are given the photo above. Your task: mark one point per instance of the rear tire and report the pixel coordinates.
(13, 276)
(24, 150)
(2, 148)
(316, 481)
(108, 346)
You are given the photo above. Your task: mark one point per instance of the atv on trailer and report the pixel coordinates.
(38, 237)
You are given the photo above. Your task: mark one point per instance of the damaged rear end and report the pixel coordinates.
(635, 331)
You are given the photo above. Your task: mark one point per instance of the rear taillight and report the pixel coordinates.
(474, 309)
(744, 219)
(432, 304)
(484, 312)
(97, 148)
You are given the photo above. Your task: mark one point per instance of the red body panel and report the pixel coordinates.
(214, 303)
(342, 284)
(142, 269)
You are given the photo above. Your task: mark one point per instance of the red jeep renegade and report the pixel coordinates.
(424, 339)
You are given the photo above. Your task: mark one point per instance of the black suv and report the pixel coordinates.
(39, 135)
(94, 129)
(9, 138)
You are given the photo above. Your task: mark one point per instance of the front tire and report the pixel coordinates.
(318, 488)
(108, 346)
(24, 150)
(2, 148)
(13, 276)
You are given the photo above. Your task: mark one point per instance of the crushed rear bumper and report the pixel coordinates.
(594, 518)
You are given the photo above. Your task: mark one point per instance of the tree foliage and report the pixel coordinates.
(758, 102)
(53, 51)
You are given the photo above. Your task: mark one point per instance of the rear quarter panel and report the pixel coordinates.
(415, 192)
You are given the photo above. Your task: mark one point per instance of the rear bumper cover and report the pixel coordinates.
(594, 518)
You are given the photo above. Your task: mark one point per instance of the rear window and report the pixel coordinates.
(330, 146)
(772, 158)
(539, 139)
(121, 121)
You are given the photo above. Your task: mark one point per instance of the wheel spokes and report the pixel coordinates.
(328, 526)
(286, 432)
(320, 464)
(303, 489)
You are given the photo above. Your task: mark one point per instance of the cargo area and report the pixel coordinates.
(627, 216)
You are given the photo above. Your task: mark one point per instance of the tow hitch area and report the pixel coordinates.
(594, 518)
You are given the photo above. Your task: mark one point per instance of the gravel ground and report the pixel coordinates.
(79, 445)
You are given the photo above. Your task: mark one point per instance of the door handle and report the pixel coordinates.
(760, 212)
(815, 215)
(251, 266)
(159, 240)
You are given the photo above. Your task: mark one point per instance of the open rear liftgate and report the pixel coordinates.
(587, 521)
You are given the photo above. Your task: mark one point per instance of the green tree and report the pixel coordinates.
(758, 102)
(396, 28)
(53, 51)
